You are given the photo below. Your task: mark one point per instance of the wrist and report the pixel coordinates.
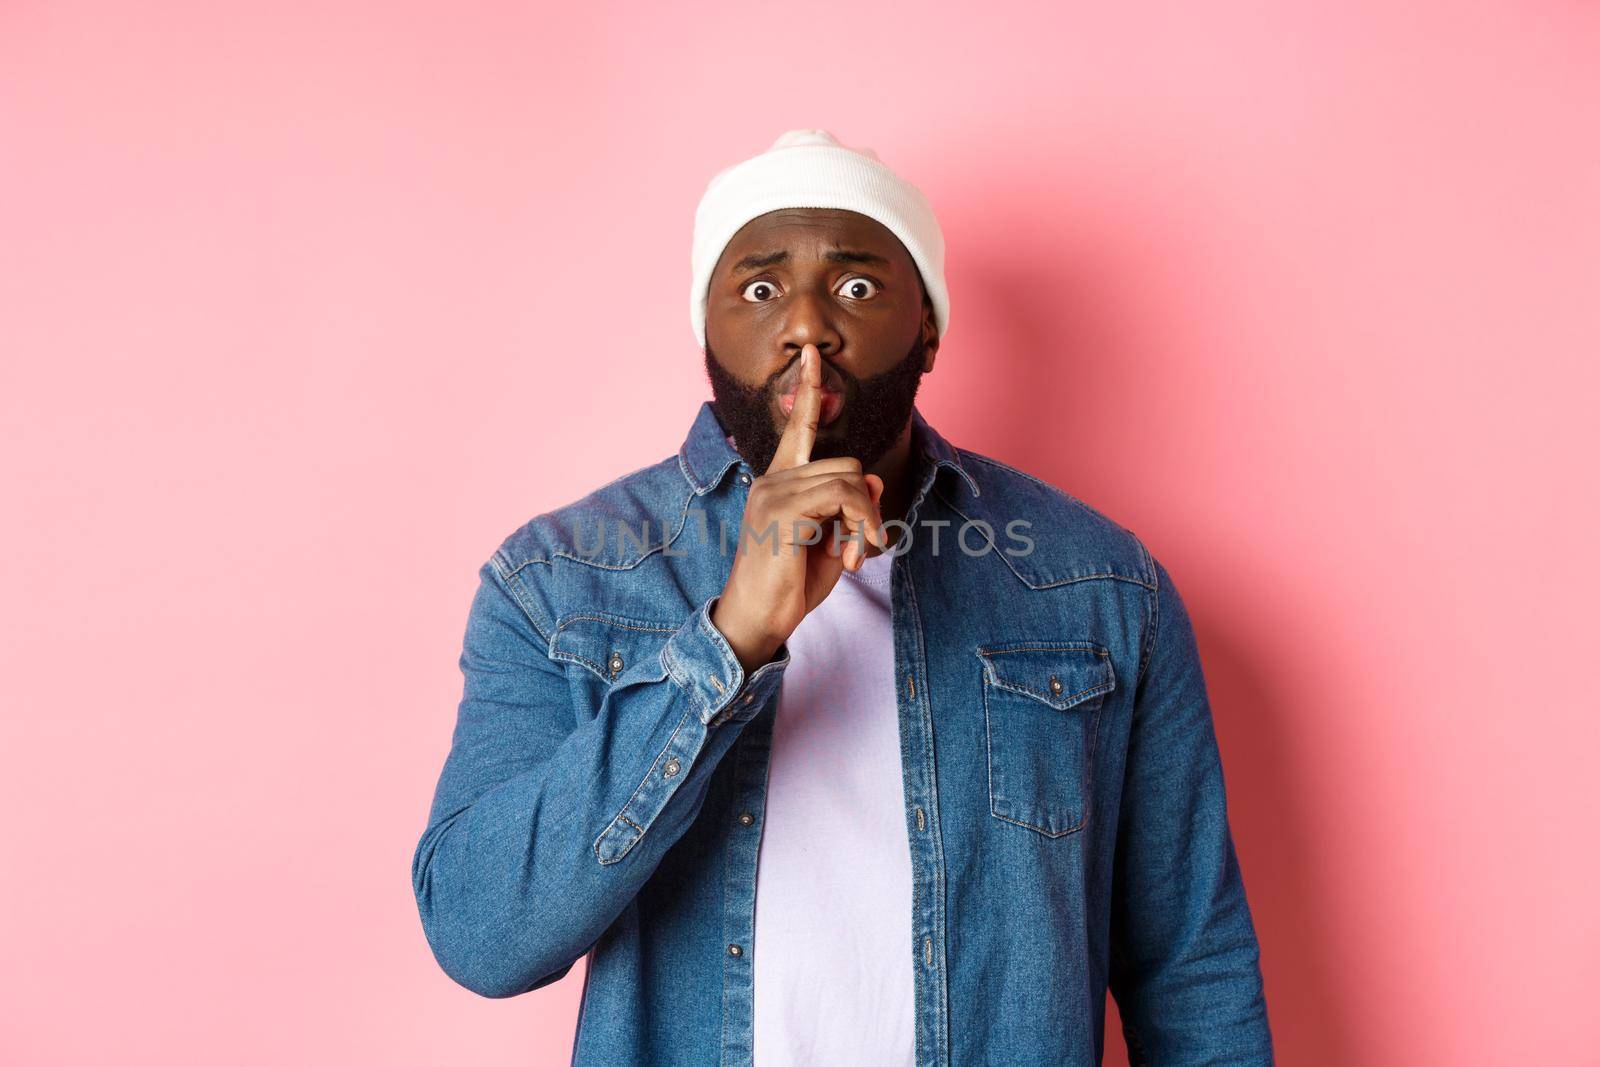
(751, 644)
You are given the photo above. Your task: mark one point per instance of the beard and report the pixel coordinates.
(875, 411)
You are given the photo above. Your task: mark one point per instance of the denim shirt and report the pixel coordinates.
(1063, 797)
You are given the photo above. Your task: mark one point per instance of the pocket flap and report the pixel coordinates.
(610, 644)
(1058, 673)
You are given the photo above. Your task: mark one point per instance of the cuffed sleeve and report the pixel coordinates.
(702, 662)
(548, 819)
(1185, 962)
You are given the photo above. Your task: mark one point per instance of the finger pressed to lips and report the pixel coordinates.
(807, 412)
(832, 405)
(832, 395)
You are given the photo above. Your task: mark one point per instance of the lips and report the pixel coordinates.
(832, 404)
(832, 392)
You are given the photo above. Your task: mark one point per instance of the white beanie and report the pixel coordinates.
(810, 168)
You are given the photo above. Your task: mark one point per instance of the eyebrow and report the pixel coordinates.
(762, 260)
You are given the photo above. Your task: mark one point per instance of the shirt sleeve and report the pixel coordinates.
(1185, 962)
(546, 822)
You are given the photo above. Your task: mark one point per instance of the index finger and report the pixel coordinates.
(794, 447)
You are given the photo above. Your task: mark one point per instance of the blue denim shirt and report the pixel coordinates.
(1064, 809)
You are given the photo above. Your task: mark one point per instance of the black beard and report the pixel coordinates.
(875, 411)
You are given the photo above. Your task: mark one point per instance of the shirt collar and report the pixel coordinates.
(706, 456)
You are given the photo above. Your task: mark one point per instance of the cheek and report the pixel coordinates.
(889, 324)
(741, 372)
(734, 341)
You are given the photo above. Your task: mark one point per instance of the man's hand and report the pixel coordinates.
(775, 582)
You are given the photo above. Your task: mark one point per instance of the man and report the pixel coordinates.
(829, 742)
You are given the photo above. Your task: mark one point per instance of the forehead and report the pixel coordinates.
(808, 232)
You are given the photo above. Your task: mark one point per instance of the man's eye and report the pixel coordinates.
(859, 288)
(765, 291)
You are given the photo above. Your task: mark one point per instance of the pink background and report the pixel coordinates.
(304, 307)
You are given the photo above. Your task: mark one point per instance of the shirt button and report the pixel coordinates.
(744, 479)
(748, 697)
(671, 767)
(745, 818)
(1055, 684)
(735, 950)
(616, 662)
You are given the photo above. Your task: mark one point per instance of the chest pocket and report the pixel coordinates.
(612, 646)
(1041, 705)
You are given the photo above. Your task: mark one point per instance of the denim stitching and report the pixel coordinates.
(1062, 703)
(1046, 831)
(1152, 617)
(618, 621)
(683, 468)
(701, 490)
(683, 519)
(513, 584)
(681, 677)
(1094, 746)
(942, 1016)
(1046, 485)
(518, 568)
(730, 663)
(615, 621)
(1005, 556)
(991, 681)
(649, 774)
(629, 848)
(1002, 649)
(992, 677)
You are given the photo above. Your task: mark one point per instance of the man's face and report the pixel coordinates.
(835, 279)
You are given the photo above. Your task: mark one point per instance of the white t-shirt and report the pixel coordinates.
(833, 952)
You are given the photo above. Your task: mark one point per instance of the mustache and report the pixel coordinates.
(834, 378)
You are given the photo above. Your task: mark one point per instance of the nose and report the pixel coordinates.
(809, 321)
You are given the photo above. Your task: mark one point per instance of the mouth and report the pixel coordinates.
(832, 405)
(832, 392)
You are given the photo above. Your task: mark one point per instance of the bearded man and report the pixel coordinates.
(826, 741)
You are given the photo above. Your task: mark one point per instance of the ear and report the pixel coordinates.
(930, 334)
